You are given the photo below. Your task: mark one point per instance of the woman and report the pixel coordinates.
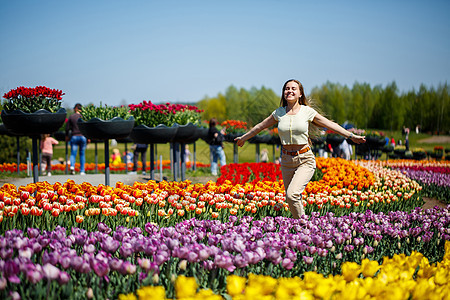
(76, 139)
(215, 138)
(297, 161)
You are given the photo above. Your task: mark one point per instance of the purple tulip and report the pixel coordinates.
(6, 253)
(110, 245)
(225, 262)
(33, 232)
(192, 257)
(34, 274)
(240, 262)
(115, 264)
(64, 278)
(100, 268)
(127, 268)
(287, 264)
(161, 257)
(103, 228)
(126, 250)
(349, 248)
(50, 271)
(308, 260)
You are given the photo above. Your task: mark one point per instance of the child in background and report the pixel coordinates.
(116, 159)
(47, 143)
(264, 155)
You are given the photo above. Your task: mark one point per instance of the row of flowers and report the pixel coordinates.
(434, 176)
(30, 100)
(91, 167)
(146, 113)
(399, 277)
(212, 250)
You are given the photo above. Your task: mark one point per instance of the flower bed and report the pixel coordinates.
(80, 240)
(396, 277)
(90, 167)
(434, 176)
(109, 261)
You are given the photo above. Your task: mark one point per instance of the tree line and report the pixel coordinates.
(382, 108)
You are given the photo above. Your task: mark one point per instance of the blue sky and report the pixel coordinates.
(177, 51)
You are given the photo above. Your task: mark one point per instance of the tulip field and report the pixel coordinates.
(364, 236)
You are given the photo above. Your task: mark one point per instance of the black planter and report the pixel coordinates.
(274, 140)
(334, 140)
(186, 134)
(97, 129)
(4, 131)
(260, 139)
(318, 140)
(203, 133)
(229, 137)
(419, 155)
(160, 134)
(33, 124)
(375, 142)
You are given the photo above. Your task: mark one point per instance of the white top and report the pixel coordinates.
(293, 129)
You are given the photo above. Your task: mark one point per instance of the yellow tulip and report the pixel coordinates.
(235, 285)
(442, 276)
(350, 271)
(369, 267)
(129, 296)
(185, 286)
(151, 292)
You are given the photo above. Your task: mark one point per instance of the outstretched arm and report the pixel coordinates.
(269, 121)
(321, 121)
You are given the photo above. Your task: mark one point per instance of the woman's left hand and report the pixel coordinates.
(358, 139)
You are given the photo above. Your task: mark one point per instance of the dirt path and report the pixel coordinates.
(432, 202)
(436, 139)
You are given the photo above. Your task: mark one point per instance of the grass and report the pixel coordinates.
(246, 154)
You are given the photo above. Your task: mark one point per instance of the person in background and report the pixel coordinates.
(264, 155)
(298, 162)
(47, 143)
(187, 155)
(127, 156)
(216, 138)
(115, 159)
(393, 142)
(346, 150)
(76, 140)
(407, 139)
(142, 150)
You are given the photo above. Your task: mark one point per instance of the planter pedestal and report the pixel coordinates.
(33, 124)
(97, 129)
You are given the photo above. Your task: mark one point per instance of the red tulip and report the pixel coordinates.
(24, 195)
(55, 212)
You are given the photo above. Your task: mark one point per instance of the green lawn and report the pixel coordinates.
(246, 154)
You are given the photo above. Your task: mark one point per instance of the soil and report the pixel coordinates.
(432, 202)
(436, 139)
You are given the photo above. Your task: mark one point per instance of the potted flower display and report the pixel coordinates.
(105, 122)
(160, 123)
(233, 129)
(33, 111)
